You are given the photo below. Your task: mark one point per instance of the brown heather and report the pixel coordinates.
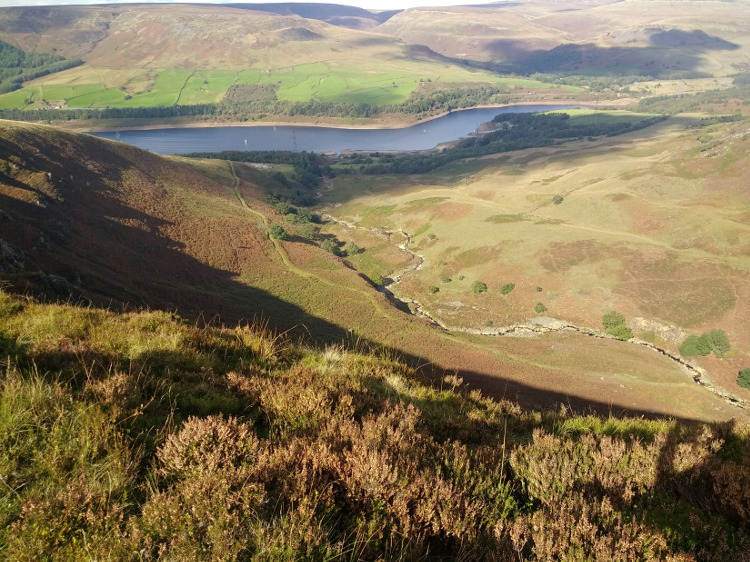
(141, 437)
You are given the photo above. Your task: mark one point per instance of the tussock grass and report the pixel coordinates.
(141, 436)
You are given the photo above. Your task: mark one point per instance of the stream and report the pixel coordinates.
(538, 325)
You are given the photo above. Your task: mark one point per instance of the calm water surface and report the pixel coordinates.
(317, 139)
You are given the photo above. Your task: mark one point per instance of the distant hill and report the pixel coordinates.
(335, 14)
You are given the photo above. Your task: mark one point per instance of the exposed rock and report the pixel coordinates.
(11, 260)
(671, 334)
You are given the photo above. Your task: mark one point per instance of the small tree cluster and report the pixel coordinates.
(715, 341)
(614, 323)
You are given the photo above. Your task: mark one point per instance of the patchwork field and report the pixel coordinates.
(653, 224)
(205, 50)
(346, 81)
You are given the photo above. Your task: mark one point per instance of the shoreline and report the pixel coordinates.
(214, 124)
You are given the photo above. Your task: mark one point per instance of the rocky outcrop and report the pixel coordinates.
(11, 259)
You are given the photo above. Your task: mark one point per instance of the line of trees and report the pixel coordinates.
(517, 131)
(17, 66)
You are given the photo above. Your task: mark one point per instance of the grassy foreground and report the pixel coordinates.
(140, 436)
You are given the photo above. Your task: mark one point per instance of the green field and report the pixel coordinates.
(377, 82)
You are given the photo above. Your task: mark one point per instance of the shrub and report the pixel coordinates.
(507, 288)
(612, 319)
(557, 199)
(718, 341)
(621, 332)
(351, 249)
(432, 289)
(478, 287)
(284, 208)
(445, 279)
(461, 277)
(539, 289)
(695, 346)
(744, 378)
(308, 231)
(539, 308)
(277, 232)
(330, 246)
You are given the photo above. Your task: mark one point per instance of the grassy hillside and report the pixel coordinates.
(141, 436)
(87, 218)
(204, 50)
(650, 224)
(631, 37)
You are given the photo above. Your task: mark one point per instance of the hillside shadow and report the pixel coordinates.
(118, 257)
(658, 52)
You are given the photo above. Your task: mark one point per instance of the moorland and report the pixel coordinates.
(528, 345)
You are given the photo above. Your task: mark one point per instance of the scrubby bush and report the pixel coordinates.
(507, 288)
(217, 443)
(719, 342)
(330, 246)
(478, 287)
(277, 232)
(351, 249)
(432, 289)
(308, 231)
(715, 341)
(621, 332)
(557, 199)
(612, 319)
(445, 279)
(539, 308)
(744, 378)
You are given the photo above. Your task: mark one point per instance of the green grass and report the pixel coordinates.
(368, 81)
(103, 98)
(17, 99)
(63, 93)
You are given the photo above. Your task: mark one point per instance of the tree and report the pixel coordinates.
(479, 287)
(557, 199)
(330, 246)
(539, 308)
(612, 319)
(507, 288)
(718, 341)
(351, 249)
(621, 332)
(695, 346)
(744, 378)
(277, 232)
(308, 231)
(432, 289)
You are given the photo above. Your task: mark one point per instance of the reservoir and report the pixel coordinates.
(421, 136)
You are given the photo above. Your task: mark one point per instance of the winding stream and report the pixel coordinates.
(538, 325)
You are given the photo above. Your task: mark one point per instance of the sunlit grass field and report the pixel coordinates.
(377, 82)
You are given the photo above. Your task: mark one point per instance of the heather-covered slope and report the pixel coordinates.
(144, 437)
(87, 218)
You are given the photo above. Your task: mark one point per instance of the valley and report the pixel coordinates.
(301, 281)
